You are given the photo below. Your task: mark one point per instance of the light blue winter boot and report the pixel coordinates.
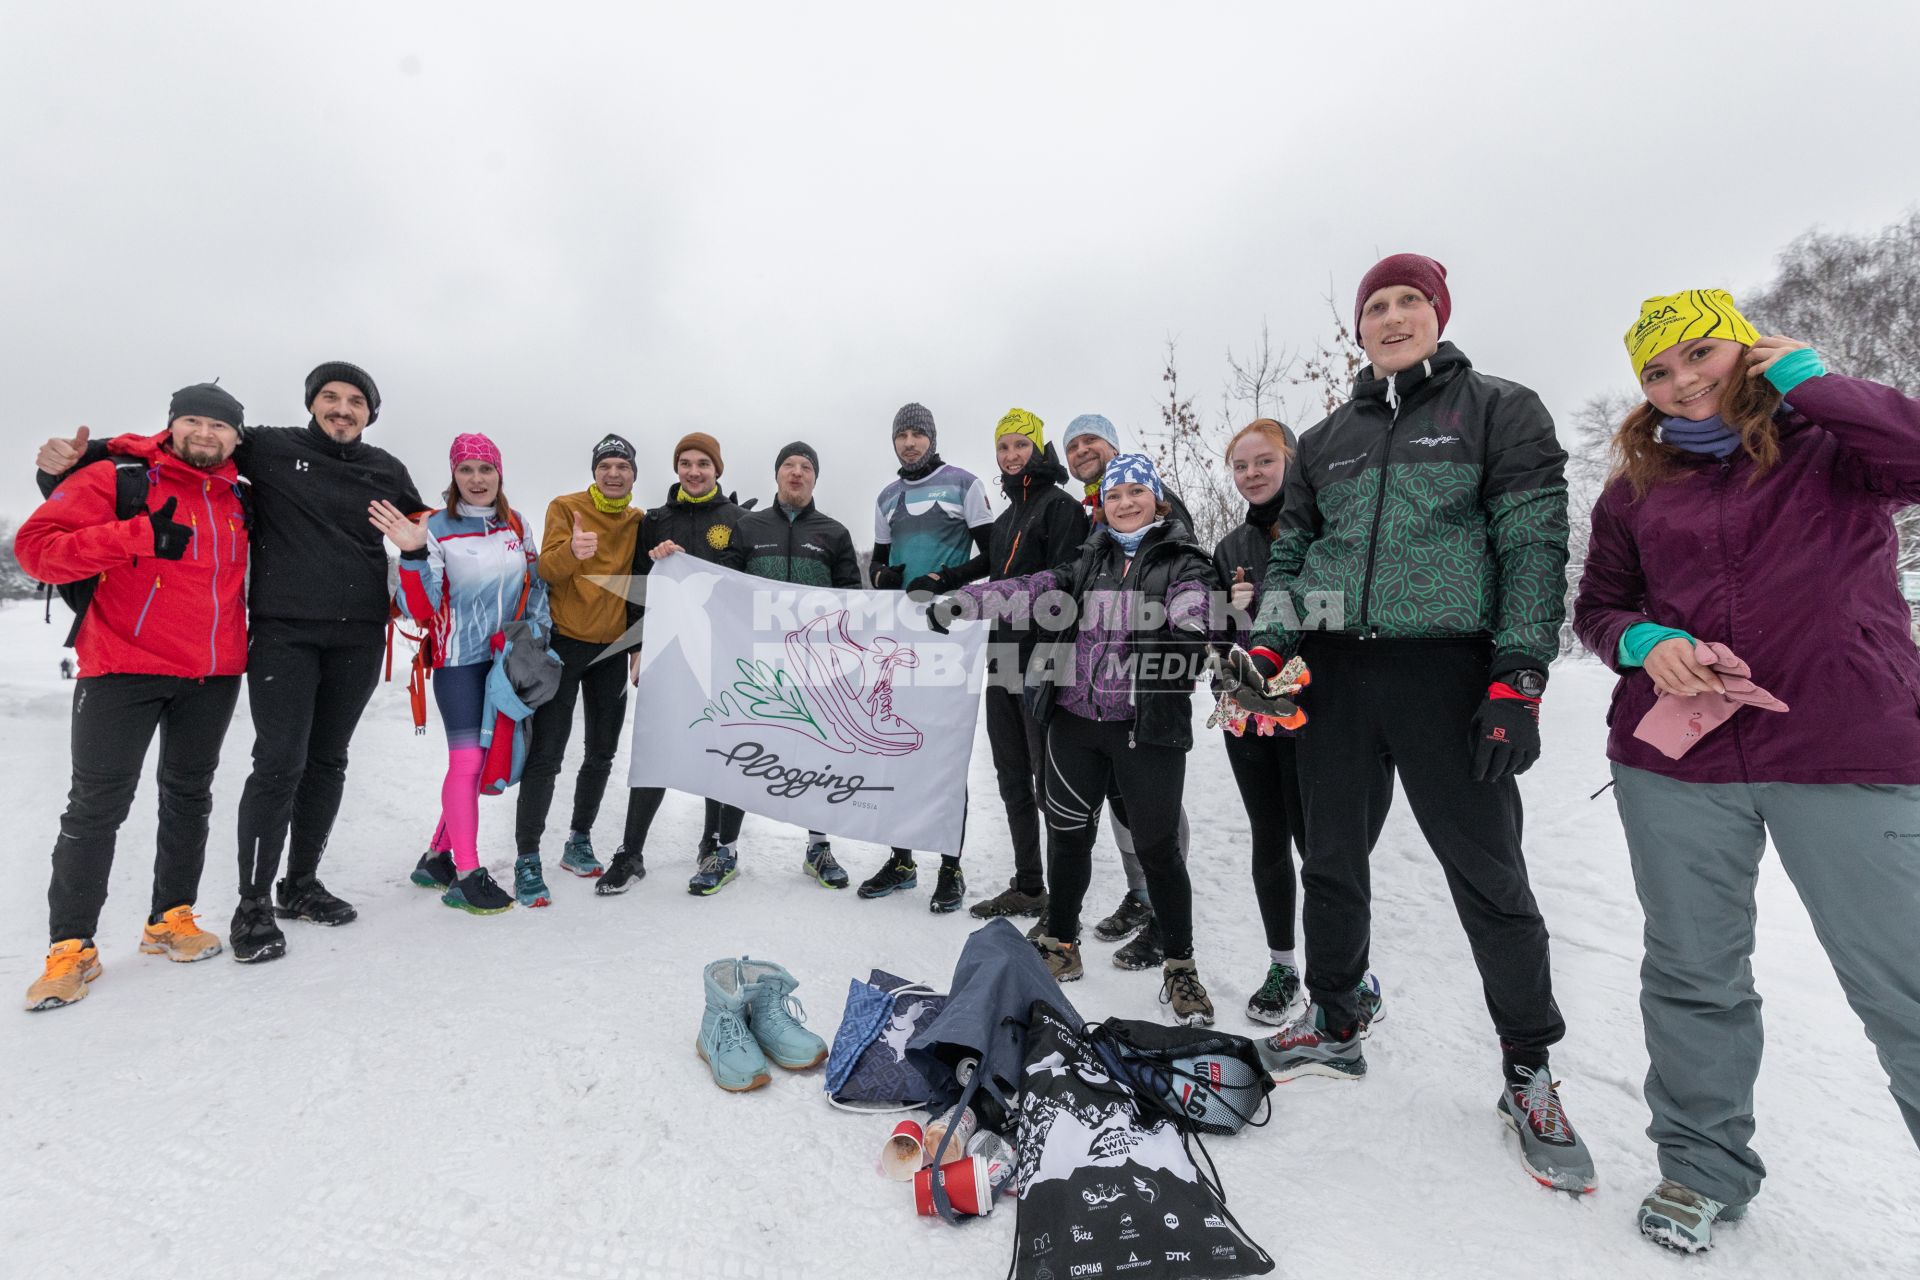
(775, 1016)
(725, 1044)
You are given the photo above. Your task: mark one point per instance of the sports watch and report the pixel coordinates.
(1529, 683)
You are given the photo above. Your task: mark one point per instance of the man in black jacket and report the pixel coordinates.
(318, 602)
(794, 541)
(1432, 507)
(701, 520)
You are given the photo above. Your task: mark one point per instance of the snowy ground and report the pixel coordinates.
(425, 1093)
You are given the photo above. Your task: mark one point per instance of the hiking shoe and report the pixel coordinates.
(1276, 995)
(1144, 951)
(718, 867)
(1129, 916)
(177, 937)
(1011, 901)
(476, 893)
(529, 886)
(71, 964)
(724, 1043)
(1368, 996)
(577, 856)
(1063, 958)
(308, 899)
(775, 1016)
(626, 870)
(898, 872)
(950, 890)
(253, 936)
(434, 870)
(1677, 1216)
(1304, 1047)
(1549, 1148)
(822, 866)
(1182, 990)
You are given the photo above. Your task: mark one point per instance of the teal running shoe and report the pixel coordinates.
(529, 886)
(775, 1016)
(725, 1044)
(577, 856)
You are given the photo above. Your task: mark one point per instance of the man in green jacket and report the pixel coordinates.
(1419, 569)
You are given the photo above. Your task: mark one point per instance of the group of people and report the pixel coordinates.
(1400, 579)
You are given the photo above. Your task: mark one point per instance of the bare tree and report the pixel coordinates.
(1588, 437)
(1190, 456)
(1856, 298)
(1329, 370)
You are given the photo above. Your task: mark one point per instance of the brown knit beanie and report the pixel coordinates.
(704, 443)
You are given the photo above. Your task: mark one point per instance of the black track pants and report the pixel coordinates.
(602, 687)
(1269, 784)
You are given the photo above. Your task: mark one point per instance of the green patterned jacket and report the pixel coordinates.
(1433, 503)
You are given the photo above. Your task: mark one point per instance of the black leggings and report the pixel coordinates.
(1082, 755)
(721, 824)
(1270, 788)
(601, 685)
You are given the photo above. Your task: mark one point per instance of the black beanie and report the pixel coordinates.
(341, 371)
(613, 446)
(206, 400)
(800, 449)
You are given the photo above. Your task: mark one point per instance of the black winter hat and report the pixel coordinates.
(916, 417)
(801, 449)
(341, 371)
(613, 446)
(207, 400)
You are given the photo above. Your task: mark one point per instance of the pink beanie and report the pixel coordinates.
(471, 446)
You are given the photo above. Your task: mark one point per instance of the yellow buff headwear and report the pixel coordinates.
(1681, 317)
(1019, 422)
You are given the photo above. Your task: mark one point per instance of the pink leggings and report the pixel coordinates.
(461, 695)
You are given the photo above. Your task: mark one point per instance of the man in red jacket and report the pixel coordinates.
(161, 647)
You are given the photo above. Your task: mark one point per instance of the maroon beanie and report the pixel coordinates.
(1415, 270)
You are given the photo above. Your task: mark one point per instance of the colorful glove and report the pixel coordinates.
(1506, 734)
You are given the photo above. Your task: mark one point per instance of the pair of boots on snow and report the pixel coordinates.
(752, 1018)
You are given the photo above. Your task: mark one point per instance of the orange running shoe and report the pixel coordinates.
(71, 965)
(177, 937)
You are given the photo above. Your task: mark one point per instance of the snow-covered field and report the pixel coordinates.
(426, 1093)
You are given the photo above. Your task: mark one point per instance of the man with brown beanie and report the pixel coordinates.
(318, 603)
(591, 534)
(704, 522)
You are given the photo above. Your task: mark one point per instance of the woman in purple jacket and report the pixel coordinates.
(1751, 510)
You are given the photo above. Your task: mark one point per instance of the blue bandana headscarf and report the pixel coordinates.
(1132, 468)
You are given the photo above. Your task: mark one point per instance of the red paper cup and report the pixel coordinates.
(968, 1185)
(905, 1151)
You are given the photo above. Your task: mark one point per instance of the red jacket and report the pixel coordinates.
(185, 617)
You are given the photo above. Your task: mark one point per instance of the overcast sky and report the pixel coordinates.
(767, 222)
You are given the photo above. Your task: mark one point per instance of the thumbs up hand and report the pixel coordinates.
(586, 543)
(1240, 594)
(59, 455)
(170, 537)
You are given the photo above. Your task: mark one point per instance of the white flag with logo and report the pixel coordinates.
(838, 711)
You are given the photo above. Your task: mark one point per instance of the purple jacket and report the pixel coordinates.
(1795, 572)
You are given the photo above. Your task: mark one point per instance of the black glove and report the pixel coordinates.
(1506, 736)
(887, 577)
(938, 614)
(170, 537)
(932, 583)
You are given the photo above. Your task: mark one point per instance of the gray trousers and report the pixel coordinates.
(1853, 853)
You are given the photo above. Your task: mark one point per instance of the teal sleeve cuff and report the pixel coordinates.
(1638, 641)
(1794, 368)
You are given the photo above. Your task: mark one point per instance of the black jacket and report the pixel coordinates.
(1247, 546)
(705, 530)
(812, 549)
(315, 555)
(1163, 699)
(1433, 503)
(1040, 527)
